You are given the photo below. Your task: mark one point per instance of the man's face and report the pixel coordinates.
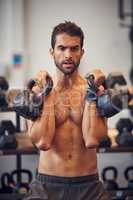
(67, 53)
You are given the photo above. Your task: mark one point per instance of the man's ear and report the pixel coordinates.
(82, 52)
(51, 51)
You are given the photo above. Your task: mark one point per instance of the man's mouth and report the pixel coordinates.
(68, 64)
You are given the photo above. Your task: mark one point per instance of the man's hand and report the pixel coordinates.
(30, 104)
(41, 81)
(95, 81)
(99, 76)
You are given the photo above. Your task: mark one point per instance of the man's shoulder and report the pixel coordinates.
(82, 80)
(80, 84)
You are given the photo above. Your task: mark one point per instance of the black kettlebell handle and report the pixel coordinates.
(126, 172)
(6, 179)
(46, 89)
(91, 82)
(20, 172)
(106, 169)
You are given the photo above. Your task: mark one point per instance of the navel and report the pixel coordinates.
(69, 156)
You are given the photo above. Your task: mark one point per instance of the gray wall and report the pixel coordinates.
(106, 46)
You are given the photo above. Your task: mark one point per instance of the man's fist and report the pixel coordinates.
(99, 76)
(95, 80)
(41, 79)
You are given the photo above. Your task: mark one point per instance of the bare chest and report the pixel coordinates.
(69, 104)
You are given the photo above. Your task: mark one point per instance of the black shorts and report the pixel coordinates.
(47, 187)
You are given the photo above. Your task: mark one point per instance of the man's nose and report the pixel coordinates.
(68, 54)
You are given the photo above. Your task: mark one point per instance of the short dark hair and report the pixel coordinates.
(69, 28)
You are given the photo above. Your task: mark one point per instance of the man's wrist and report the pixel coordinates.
(91, 102)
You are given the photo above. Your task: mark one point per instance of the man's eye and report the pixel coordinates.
(74, 48)
(62, 48)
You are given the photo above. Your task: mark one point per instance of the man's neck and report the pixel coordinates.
(65, 81)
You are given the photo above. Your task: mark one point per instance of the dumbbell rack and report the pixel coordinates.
(13, 152)
(18, 153)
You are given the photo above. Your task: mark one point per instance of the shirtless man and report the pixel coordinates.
(69, 129)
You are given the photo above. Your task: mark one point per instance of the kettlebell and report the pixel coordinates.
(127, 176)
(22, 186)
(6, 183)
(110, 183)
(28, 104)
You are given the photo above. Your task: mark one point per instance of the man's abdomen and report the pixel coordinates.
(68, 155)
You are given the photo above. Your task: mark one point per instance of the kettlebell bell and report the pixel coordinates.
(22, 186)
(6, 183)
(110, 183)
(128, 178)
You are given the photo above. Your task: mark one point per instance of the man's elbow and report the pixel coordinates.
(91, 142)
(93, 137)
(43, 146)
(40, 143)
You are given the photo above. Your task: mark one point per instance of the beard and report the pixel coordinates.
(68, 70)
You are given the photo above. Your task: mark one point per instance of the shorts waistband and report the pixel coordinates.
(66, 180)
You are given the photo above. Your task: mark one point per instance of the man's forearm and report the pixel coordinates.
(93, 126)
(34, 129)
(41, 131)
